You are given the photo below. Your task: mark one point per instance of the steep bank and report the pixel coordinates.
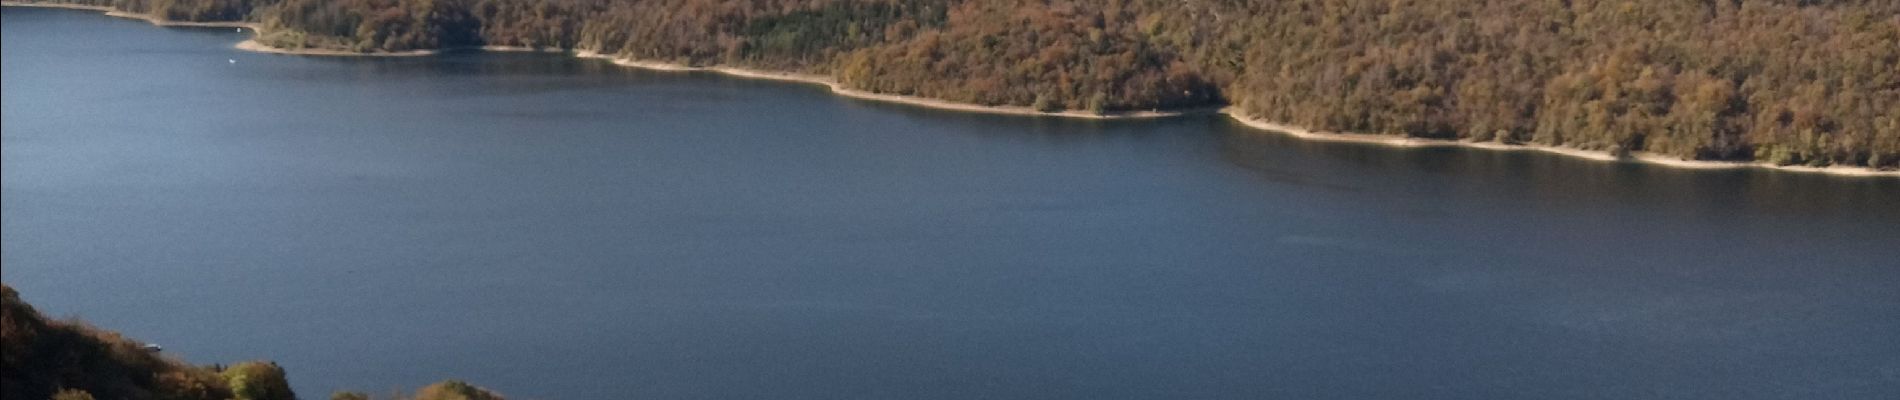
(43, 357)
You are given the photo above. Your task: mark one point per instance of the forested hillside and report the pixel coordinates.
(66, 360)
(1813, 82)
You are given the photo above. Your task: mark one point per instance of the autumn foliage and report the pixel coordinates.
(1784, 81)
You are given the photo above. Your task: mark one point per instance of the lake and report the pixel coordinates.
(551, 227)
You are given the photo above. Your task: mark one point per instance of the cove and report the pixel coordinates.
(559, 228)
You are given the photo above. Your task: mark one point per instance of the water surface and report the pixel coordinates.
(561, 228)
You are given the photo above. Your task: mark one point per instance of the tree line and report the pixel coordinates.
(1814, 82)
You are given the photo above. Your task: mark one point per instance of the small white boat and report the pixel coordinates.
(153, 347)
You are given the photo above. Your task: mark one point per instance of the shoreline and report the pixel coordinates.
(254, 46)
(1636, 157)
(839, 89)
(112, 12)
(1231, 113)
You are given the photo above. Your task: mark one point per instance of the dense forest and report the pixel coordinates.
(1812, 82)
(42, 358)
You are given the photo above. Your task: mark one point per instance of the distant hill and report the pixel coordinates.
(42, 358)
(1812, 82)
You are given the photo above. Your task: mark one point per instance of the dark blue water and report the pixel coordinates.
(560, 228)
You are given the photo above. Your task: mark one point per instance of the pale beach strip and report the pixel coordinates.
(1639, 157)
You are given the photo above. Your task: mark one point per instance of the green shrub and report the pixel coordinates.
(455, 390)
(258, 380)
(1098, 104)
(1044, 104)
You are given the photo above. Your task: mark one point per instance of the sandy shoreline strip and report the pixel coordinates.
(254, 45)
(1640, 157)
(840, 89)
